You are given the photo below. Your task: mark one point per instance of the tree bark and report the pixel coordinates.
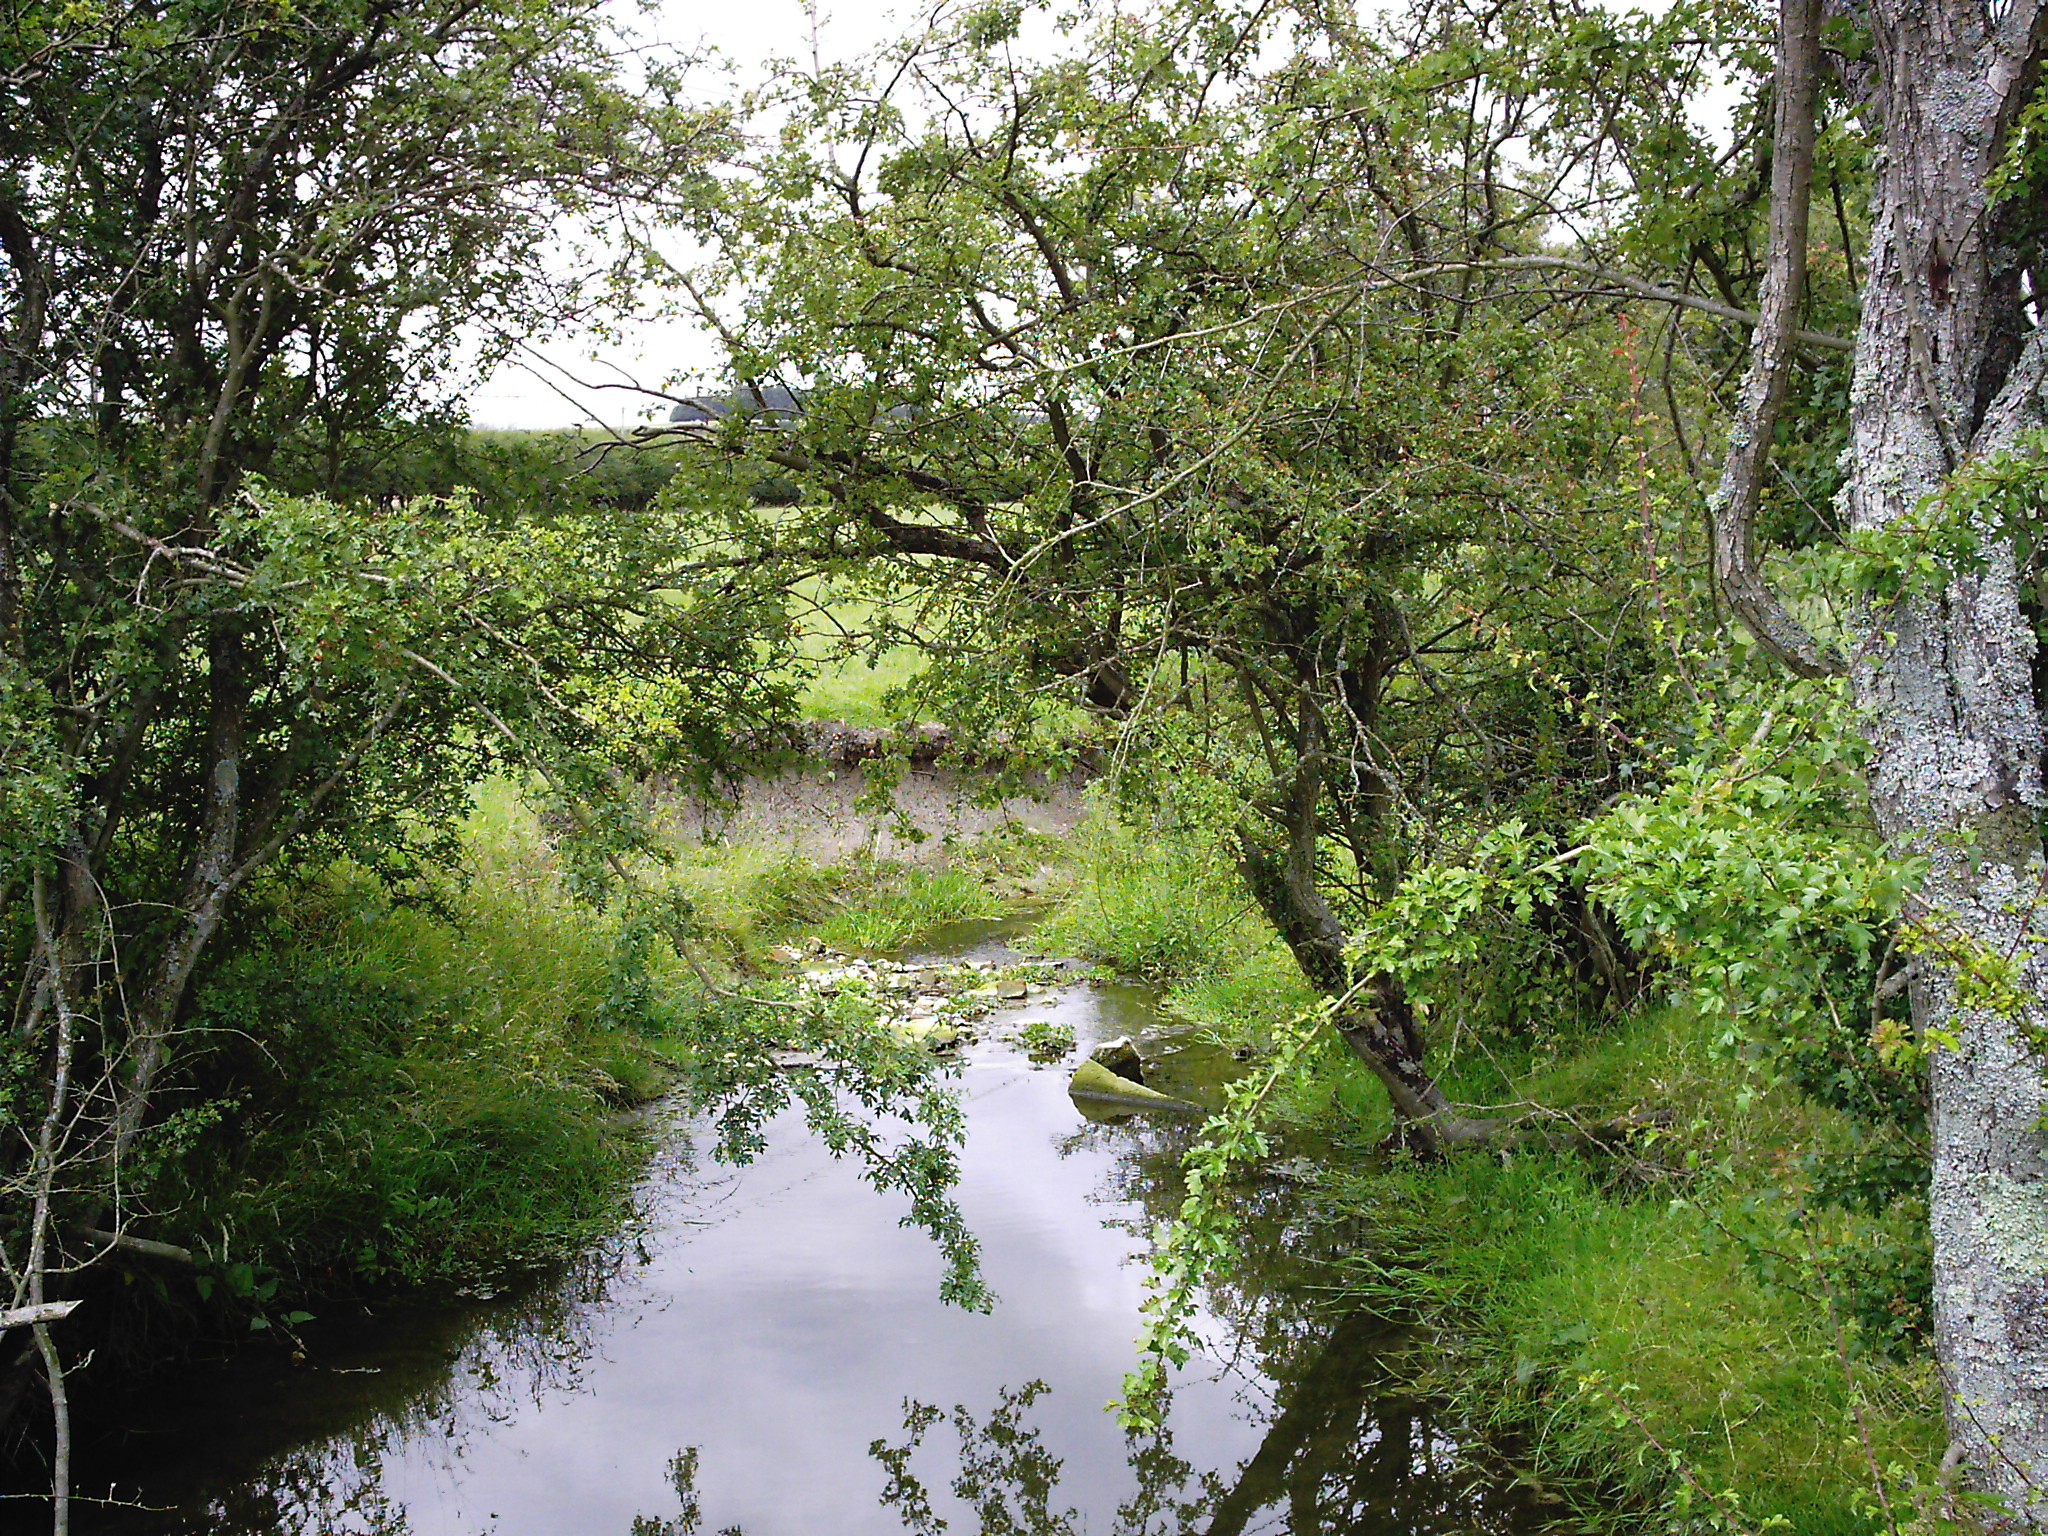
(1738, 570)
(1372, 1013)
(1944, 677)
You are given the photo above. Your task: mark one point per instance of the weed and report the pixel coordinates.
(902, 904)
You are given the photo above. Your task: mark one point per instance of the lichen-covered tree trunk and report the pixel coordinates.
(1947, 372)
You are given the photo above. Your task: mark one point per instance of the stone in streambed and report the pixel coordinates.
(921, 1029)
(1096, 1084)
(1121, 1057)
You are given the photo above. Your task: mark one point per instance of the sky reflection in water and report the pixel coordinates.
(768, 1355)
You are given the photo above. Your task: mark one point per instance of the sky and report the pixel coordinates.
(575, 381)
(544, 391)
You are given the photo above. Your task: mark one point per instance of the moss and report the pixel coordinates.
(1092, 1080)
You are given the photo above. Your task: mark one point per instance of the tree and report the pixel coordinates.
(1943, 498)
(1214, 397)
(242, 246)
(1158, 277)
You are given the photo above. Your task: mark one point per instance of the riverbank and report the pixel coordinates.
(1661, 1335)
(1672, 1336)
(423, 1088)
(1652, 1333)
(778, 1315)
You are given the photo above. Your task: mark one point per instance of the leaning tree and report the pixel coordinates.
(1204, 383)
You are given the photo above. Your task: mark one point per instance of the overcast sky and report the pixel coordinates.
(555, 389)
(745, 33)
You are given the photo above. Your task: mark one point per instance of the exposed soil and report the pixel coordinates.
(812, 810)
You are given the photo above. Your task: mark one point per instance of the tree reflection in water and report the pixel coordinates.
(1339, 1458)
(348, 1424)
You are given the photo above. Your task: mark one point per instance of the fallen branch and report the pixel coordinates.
(145, 1247)
(41, 1312)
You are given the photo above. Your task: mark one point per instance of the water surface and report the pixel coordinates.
(766, 1353)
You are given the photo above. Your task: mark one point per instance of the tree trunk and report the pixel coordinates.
(1372, 1013)
(1955, 729)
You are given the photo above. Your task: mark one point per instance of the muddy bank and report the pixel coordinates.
(813, 807)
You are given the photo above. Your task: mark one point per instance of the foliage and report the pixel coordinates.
(377, 1095)
(263, 606)
(1199, 1245)
(1753, 868)
(1191, 371)
(871, 1077)
(915, 903)
(1992, 500)
(1467, 936)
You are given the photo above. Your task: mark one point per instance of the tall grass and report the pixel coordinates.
(1650, 1338)
(1154, 903)
(914, 903)
(749, 897)
(1649, 1328)
(383, 1093)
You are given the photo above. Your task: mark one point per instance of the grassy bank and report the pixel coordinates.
(1169, 909)
(430, 1094)
(1664, 1335)
(418, 1094)
(384, 1094)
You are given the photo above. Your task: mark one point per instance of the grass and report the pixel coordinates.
(388, 1095)
(913, 903)
(1615, 1319)
(1650, 1334)
(1155, 906)
(750, 897)
(851, 681)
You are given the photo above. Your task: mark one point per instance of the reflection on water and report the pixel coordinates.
(765, 1354)
(1339, 1454)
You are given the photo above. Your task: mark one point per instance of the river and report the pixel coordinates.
(764, 1353)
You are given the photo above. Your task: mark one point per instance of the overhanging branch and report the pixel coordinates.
(1608, 278)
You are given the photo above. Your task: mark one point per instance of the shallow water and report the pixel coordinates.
(767, 1354)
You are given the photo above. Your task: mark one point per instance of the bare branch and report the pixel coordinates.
(1637, 288)
(1737, 567)
(142, 1247)
(44, 1312)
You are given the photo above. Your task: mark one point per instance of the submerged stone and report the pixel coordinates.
(1096, 1084)
(930, 1033)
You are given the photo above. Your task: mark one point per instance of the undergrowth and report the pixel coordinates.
(384, 1094)
(381, 1094)
(1153, 904)
(1665, 1331)
(1670, 1335)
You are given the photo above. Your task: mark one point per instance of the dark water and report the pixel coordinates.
(766, 1354)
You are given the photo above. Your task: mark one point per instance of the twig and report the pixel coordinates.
(42, 1312)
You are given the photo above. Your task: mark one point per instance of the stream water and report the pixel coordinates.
(765, 1353)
